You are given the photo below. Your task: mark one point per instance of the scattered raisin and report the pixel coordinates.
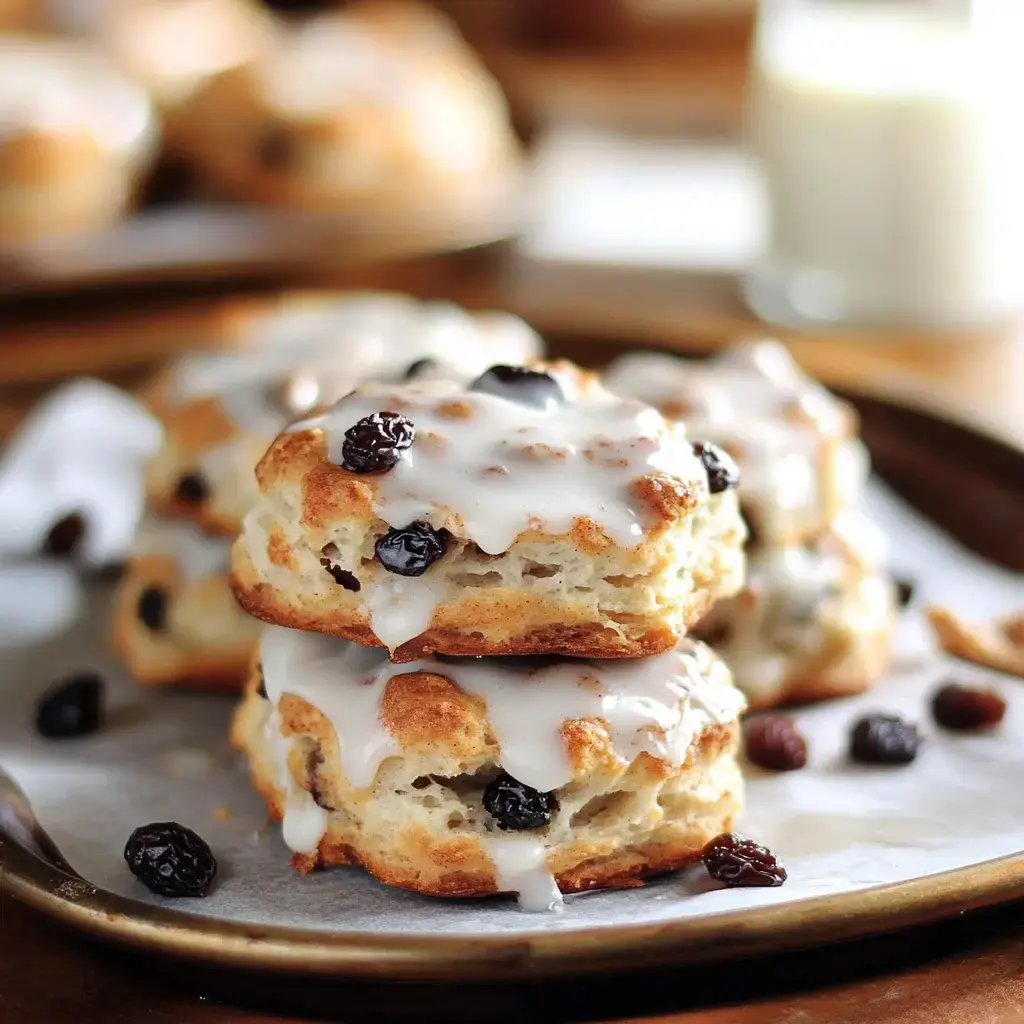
(967, 707)
(516, 806)
(884, 739)
(73, 707)
(412, 550)
(170, 859)
(739, 862)
(341, 576)
(904, 591)
(723, 473)
(152, 608)
(192, 489)
(520, 384)
(65, 535)
(420, 367)
(772, 741)
(376, 442)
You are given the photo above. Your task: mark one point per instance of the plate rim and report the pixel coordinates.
(725, 935)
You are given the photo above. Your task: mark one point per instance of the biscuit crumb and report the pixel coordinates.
(997, 645)
(222, 814)
(455, 410)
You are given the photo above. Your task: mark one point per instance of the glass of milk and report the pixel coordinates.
(891, 135)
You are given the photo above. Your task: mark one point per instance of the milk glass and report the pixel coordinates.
(891, 135)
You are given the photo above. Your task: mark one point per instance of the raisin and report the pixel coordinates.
(274, 149)
(739, 862)
(904, 591)
(314, 760)
(73, 707)
(772, 741)
(521, 385)
(376, 442)
(884, 739)
(65, 535)
(516, 806)
(341, 576)
(413, 550)
(170, 859)
(420, 367)
(723, 473)
(967, 707)
(192, 489)
(261, 686)
(152, 608)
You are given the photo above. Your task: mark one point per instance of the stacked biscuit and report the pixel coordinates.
(176, 620)
(815, 618)
(477, 677)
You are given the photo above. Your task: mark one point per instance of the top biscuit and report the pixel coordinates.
(529, 512)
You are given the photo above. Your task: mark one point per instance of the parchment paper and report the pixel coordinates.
(839, 827)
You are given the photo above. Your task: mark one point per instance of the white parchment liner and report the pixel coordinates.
(838, 826)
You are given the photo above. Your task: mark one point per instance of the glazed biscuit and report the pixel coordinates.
(795, 443)
(220, 411)
(175, 618)
(467, 777)
(813, 622)
(528, 512)
(77, 137)
(380, 107)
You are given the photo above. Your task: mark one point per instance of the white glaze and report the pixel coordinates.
(63, 86)
(508, 467)
(340, 341)
(792, 439)
(655, 704)
(520, 866)
(304, 822)
(197, 554)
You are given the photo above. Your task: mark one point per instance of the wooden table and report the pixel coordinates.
(969, 971)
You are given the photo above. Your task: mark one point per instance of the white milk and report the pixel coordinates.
(893, 149)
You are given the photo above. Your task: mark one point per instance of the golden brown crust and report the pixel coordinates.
(997, 645)
(457, 864)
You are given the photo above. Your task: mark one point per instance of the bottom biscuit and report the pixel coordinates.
(624, 772)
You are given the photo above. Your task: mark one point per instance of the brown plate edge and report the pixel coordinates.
(715, 937)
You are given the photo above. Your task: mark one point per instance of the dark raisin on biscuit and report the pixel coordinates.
(65, 536)
(170, 859)
(152, 608)
(722, 472)
(313, 763)
(375, 443)
(516, 806)
(420, 366)
(342, 577)
(72, 707)
(520, 384)
(192, 489)
(413, 550)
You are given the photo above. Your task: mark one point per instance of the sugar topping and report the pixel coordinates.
(792, 439)
(489, 468)
(656, 705)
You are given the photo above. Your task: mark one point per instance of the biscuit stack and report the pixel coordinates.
(477, 677)
(176, 620)
(816, 617)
